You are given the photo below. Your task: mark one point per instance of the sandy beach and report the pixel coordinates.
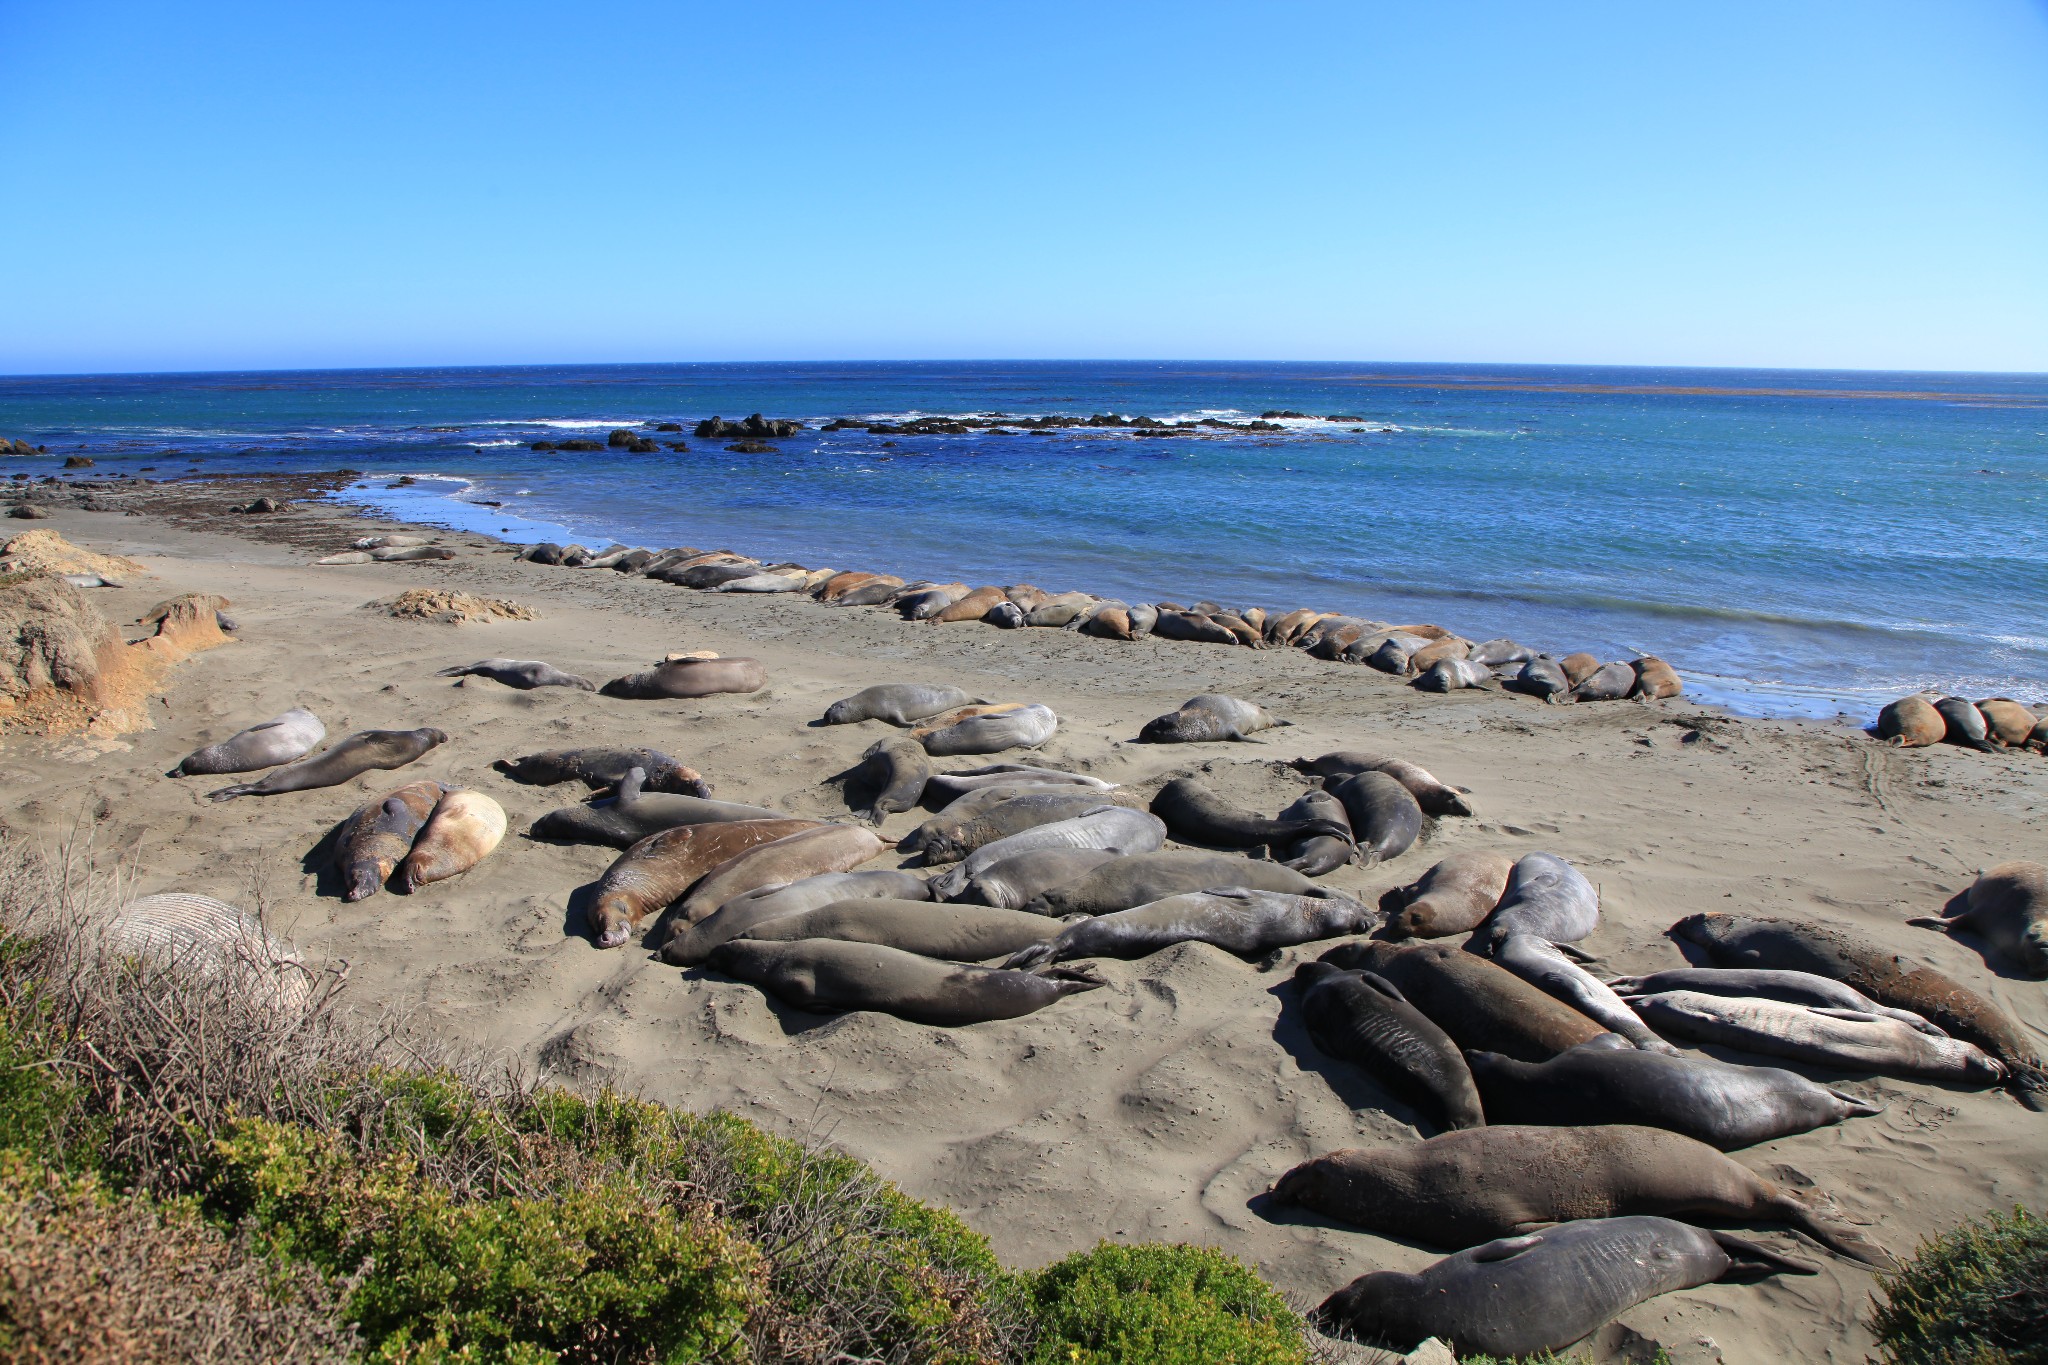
(1158, 1108)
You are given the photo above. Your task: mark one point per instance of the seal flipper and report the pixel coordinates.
(1506, 1248)
(1859, 1108)
(629, 786)
(1754, 1261)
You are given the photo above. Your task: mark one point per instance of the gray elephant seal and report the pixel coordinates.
(1546, 896)
(1609, 682)
(1015, 881)
(991, 731)
(824, 975)
(1314, 855)
(684, 678)
(1800, 988)
(946, 838)
(656, 871)
(1433, 796)
(524, 674)
(634, 813)
(1359, 1017)
(1608, 1081)
(1236, 921)
(1818, 1037)
(734, 918)
(596, 767)
(1478, 1003)
(793, 857)
(1543, 1290)
(897, 703)
(1122, 883)
(1115, 828)
(1208, 718)
(1965, 724)
(278, 740)
(1385, 817)
(895, 770)
(1197, 815)
(2007, 906)
(952, 933)
(365, 751)
(997, 774)
(1543, 677)
(1459, 1189)
(1454, 897)
(1452, 675)
(1494, 653)
(1537, 961)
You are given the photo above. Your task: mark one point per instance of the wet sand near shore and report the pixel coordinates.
(1159, 1107)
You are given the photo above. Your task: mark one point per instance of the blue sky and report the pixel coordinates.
(213, 185)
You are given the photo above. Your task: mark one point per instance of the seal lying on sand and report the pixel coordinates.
(1020, 878)
(793, 857)
(1537, 961)
(1546, 896)
(1122, 883)
(1237, 921)
(278, 740)
(1543, 677)
(524, 674)
(661, 867)
(1433, 796)
(2007, 906)
(1207, 718)
(2006, 721)
(1911, 723)
(953, 933)
(1115, 828)
(1824, 1037)
(1361, 1018)
(824, 975)
(946, 838)
(633, 813)
(1316, 854)
(990, 730)
(1385, 818)
(1800, 988)
(894, 770)
(464, 828)
(997, 774)
(694, 943)
(379, 834)
(1965, 724)
(362, 752)
(690, 678)
(1453, 897)
(597, 767)
(1479, 1004)
(897, 703)
(1197, 815)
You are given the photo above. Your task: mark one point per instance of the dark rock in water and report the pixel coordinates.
(751, 447)
(580, 445)
(27, 512)
(1280, 412)
(542, 445)
(262, 505)
(678, 445)
(619, 436)
(78, 462)
(755, 427)
(641, 445)
(668, 426)
(1342, 417)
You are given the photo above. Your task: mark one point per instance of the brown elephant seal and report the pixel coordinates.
(1545, 896)
(1606, 1080)
(1016, 726)
(362, 752)
(1115, 828)
(684, 678)
(380, 833)
(598, 767)
(524, 674)
(695, 942)
(825, 975)
(897, 703)
(972, 607)
(1193, 627)
(1911, 723)
(1015, 881)
(893, 771)
(946, 838)
(1315, 855)
(280, 739)
(928, 601)
(1655, 680)
(1801, 988)
(1819, 1036)
(1237, 921)
(1543, 1290)
(1288, 629)
(1609, 682)
(2007, 907)
(1543, 677)
(1539, 962)
(1454, 897)
(1578, 667)
(660, 868)
(465, 826)
(633, 813)
(1450, 649)
(1965, 725)
(1002, 774)
(1361, 1018)
(1462, 1188)
(1125, 882)
(1478, 1003)
(877, 592)
(1209, 718)
(1826, 950)
(2006, 721)
(1195, 814)
(1435, 797)
(1385, 817)
(793, 857)
(953, 933)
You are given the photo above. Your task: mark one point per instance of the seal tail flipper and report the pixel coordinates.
(458, 671)
(1750, 1260)
(230, 793)
(1832, 1231)
(1024, 959)
(1073, 980)
(1576, 953)
(630, 785)
(1934, 922)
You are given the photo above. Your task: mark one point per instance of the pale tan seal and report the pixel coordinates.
(464, 828)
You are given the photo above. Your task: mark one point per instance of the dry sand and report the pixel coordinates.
(1157, 1108)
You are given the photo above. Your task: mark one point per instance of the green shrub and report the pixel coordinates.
(1161, 1305)
(1977, 1295)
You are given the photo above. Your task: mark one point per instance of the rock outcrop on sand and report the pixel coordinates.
(64, 670)
(40, 552)
(451, 608)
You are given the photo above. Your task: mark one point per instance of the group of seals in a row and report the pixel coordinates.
(1994, 725)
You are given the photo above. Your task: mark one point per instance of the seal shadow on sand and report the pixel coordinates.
(319, 864)
(1994, 961)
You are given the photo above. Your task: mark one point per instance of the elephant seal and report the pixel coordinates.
(954, 813)
(362, 752)
(633, 813)
(1450, 649)
(1911, 723)
(1459, 1189)
(1494, 653)
(1480, 1004)
(972, 607)
(946, 838)
(1015, 881)
(921, 603)
(1537, 961)
(1190, 626)
(1800, 988)
(844, 582)
(1454, 897)
(1015, 726)
(1391, 656)
(1195, 814)
(785, 581)
(1115, 828)
(954, 933)
(280, 739)
(1359, 1017)
(824, 975)
(1607, 1081)
(524, 674)
(873, 593)
(1825, 950)
(1385, 817)
(1823, 1037)
(998, 774)
(897, 703)
(684, 678)
(895, 769)
(2006, 721)
(465, 826)
(1609, 682)
(1237, 921)
(694, 943)
(2007, 906)
(1546, 896)
(1655, 680)
(1122, 883)
(379, 834)
(1965, 725)
(1314, 855)
(1578, 667)
(1433, 796)
(793, 857)
(1543, 677)
(596, 768)
(661, 867)
(1208, 718)
(1543, 1290)
(1452, 675)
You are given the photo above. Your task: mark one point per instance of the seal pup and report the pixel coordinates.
(1819, 1036)
(524, 674)
(1315, 855)
(1479, 1003)
(998, 774)
(633, 813)
(1435, 797)
(1361, 1018)
(1537, 961)
(694, 943)
(1385, 817)
(1115, 828)
(953, 933)
(1017, 726)
(1235, 920)
(599, 767)
(1799, 988)
(280, 739)
(1195, 814)
(1543, 677)
(1458, 1189)
(1605, 1080)
(1543, 1290)
(1911, 723)
(897, 703)
(1124, 882)
(1546, 896)
(362, 752)
(1453, 897)
(661, 867)
(685, 678)
(379, 834)
(1209, 718)
(1655, 680)
(824, 975)
(463, 829)
(1012, 883)
(2007, 906)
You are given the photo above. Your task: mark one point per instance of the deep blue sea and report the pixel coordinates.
(1795, 542)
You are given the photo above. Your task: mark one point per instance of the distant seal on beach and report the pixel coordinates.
(1385, 817)
(1818, 1037)
(524, 674)
(946, 839)
(460, 833)
(1237, 921)
(2007, 906)
(1015, 727)
(895, 770)
(380, 833)
(1578, 667)
(1121, 883)
(362, 752)
(1435, 797)
(953, 933)
(1911, 723)
(870, 594)
(1479, 1003)
(1454, 897)
(1452, 675)
(1115, 828)
(999, 774)
(793, 857)
(1803, 988)
(603, 767)
(972, 607)
(1018, 879)
(1965, 724)
(693, 944)
(929, 602)
(1191, 626)
(1494, 653)
(1316, 854)
(1209, 718)
(1545, 896)
(660, 868)
(1196, 814)
(633, 813)
(280, 739)
(685, 678)
(1447, 650)
(1543, 677)
(1609, 682)
(2006, 721)
(1543, 1290)
(1459, 1189)
(823, 975)
(897, 703)
(1655, 680)
(1539, 962)
(1362, 1018)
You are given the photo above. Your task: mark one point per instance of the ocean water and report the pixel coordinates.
(1794, 542)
